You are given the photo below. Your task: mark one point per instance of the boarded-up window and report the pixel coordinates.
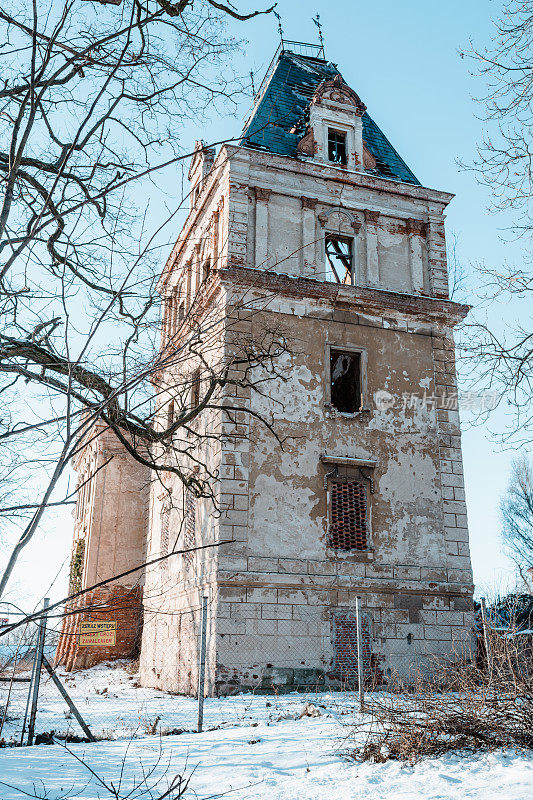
(345, 377)
(190, 525)
(348, 527)
(345, 647)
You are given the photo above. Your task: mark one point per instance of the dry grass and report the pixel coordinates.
(453, 706)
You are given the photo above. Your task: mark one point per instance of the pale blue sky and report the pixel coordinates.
(402, 59)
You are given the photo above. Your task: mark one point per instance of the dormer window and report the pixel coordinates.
(339, 259)
(337, 146)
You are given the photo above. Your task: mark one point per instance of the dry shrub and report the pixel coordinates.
(466, 705)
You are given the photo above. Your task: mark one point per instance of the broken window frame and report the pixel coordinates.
(332, 347)
(336, 259)
(337, 146)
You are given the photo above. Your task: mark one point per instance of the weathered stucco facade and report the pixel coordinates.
(319, 224)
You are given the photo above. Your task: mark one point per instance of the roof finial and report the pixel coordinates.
(280, 29)
(317, 22)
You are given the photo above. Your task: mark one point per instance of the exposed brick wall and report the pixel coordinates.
(116, 603)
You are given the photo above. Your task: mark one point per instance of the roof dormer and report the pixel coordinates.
(335, 132)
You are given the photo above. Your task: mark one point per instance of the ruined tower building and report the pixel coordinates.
(315, 214)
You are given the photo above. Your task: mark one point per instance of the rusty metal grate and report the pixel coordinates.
(348, 521)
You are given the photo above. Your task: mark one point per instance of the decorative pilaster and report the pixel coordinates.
(416, 231)
(309, 236)
(262, 196)
(372, 257)
(436, 244)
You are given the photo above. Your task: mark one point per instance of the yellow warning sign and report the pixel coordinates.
(97, 634)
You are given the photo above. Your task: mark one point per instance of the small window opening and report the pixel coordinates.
(336, 146)
(165, 533)
(345, 376)
(348, 516)
(195, 388)
(189, 541)
(339, 259)
(170, 413)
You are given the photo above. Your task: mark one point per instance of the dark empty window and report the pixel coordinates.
(339, 259)
(345, 377)
(195, 388)
(348, 516)
(170, 413)
(336, 146)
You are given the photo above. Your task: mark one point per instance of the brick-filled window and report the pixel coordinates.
(348, 525)
(345, 646)
(189, 539)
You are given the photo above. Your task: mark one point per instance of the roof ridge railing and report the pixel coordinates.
(299, 49)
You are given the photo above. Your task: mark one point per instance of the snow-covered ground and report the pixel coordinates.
(252, 747)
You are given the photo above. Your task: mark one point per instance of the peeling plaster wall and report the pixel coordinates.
(290, 584)
(275, 589)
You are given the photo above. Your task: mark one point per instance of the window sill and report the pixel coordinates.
(365, 556)
(363, 414)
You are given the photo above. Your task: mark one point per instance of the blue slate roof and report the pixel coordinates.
(283, 106)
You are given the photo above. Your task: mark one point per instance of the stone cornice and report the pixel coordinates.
(331, 173)
(256, 580)
(359, 299)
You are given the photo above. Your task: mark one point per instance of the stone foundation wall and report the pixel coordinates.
(116, 603)
(272, 639)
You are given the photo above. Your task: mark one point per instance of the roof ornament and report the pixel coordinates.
(317, 22)
(280, 29)
(336, 90)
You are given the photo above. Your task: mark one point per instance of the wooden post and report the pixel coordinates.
(68, 700)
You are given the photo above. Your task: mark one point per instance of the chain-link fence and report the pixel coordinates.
(289, 662)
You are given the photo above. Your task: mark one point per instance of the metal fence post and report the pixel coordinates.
(201, 672)
(360, 670)
(30, 691)
(38, 666)
(486, 637)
